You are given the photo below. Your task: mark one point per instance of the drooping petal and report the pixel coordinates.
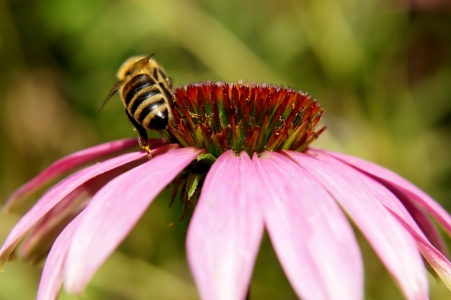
(365, 201)
(226, 228)
(52, 274)
(113, 212)
(66, 164)
(57, 194)
(439, 263)
(39, 241)
(436, 260)
(311, 235)
(423, 221)
(395, 181)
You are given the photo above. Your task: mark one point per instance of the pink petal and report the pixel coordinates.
(115, 209)
(37, 244)
(365, 201)
(69, 163)
(439, 262)
(65, 165)
(57, 194)
(423, 221)
(52, 275)
(436, 260)
(40, 239)
(226, 228)
(311, 236)
(395, 181)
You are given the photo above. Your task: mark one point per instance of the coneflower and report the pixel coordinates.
(240, 155)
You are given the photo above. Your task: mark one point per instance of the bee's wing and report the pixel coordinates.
(142, 63)
(148, 57)
(112, 92)
(144, 60)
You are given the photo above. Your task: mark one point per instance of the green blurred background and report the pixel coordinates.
(382, 70)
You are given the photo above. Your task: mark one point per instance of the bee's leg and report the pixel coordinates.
(143, 140)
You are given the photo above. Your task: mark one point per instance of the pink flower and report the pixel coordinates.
(246, 179)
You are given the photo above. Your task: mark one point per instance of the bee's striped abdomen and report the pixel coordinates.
(155, 115)
(145, 102)
(141, 98)
(136, 85)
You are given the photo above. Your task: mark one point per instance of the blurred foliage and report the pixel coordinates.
(380, 68)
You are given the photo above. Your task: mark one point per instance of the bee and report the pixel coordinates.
(145, 92)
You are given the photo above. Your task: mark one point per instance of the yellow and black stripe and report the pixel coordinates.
(145, 101)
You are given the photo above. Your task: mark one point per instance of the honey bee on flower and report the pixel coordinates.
(246, 164)
(145, 92)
